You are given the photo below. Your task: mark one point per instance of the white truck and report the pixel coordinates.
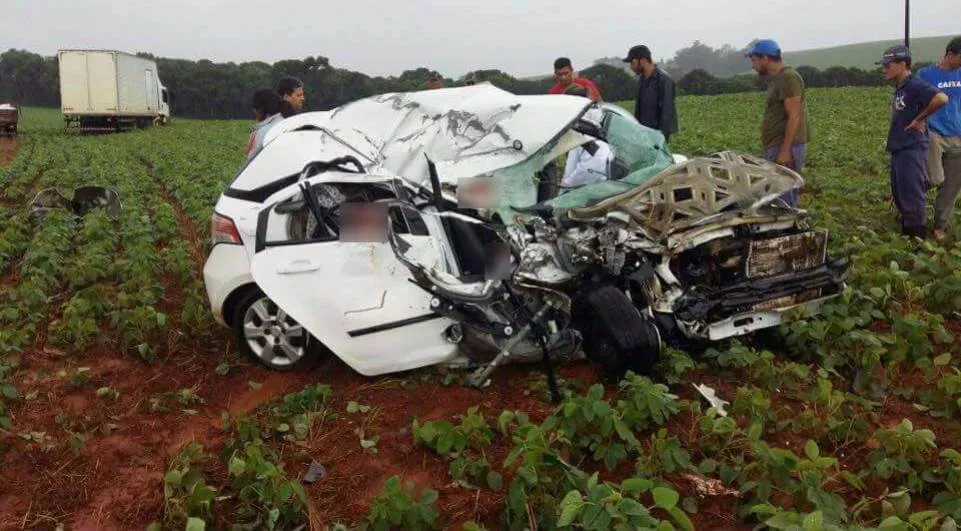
(104, 90)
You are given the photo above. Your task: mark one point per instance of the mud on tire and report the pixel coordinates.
(616, 335)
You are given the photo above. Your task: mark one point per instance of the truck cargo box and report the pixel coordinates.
(110, 88)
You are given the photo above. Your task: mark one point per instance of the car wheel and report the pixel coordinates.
(267, 334)
(616, 335)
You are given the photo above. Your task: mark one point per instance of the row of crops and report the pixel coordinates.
(846, 421)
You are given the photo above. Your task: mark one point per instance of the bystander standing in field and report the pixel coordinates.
(567, 83)
(914, 101)
(944, 129)
(267, 106)
(654, 103)
(784, 127)
(435, 81)
(564, 74)
(291, 90)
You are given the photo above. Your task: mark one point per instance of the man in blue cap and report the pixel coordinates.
(944, 128)
(914, 101)
(784, 128)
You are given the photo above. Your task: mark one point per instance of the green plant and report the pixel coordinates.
(268, 498)
(446, 438)
(185, 397)
(673, 364)
(829, 415)
(755, 405)
(464, 444)
(948, 474)
(607, 506)
(643, 402)
(903, 453)
(399, 506)
(790, 520)
(295, 414)
(186, 493)
(592, 427)
(663, 455)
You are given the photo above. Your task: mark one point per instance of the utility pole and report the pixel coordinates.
(907, 23)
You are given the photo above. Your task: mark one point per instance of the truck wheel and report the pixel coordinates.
(268, 335)
(616, 335)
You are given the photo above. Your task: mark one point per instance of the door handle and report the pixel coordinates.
(297, 266)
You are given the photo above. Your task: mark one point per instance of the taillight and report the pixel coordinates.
(223, 230)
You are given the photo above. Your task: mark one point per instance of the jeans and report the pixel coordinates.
(944, 171)
(908, 186)
(799, 154)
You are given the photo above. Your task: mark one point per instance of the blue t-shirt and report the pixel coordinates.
(947, 121)
(910, 98)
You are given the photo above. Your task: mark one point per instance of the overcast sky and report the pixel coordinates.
(386, 37)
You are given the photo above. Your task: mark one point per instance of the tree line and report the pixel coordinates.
(700, 81)
(204, 89)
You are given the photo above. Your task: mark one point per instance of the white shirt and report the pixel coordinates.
(260, 131)
(584, 168)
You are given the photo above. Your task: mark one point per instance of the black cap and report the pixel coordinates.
(638, 52)
(899, 53)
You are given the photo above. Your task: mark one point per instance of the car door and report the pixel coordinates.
(353, 296)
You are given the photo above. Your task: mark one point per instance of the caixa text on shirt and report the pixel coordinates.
(949, 84)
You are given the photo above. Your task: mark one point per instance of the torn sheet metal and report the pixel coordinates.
(467, 131)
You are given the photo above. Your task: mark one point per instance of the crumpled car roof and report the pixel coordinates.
(466, 131)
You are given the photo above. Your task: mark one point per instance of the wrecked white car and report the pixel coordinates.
(666, 249)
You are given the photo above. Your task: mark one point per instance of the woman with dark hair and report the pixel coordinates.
(268, 110)
(265, 104)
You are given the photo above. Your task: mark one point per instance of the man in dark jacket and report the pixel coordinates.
(654, 104)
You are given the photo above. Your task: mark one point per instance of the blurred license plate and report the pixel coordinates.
(786, 254)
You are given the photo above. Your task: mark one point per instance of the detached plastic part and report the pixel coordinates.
(710, 395)
(85, 199)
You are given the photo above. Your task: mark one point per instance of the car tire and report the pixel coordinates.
(616, 336)
(270, 336)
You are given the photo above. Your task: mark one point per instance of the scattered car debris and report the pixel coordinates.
(315, 472)
(705, 486)
(710, 395)
(85, 199)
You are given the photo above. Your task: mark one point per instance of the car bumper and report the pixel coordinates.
(759, 303)
(748, 322)
(226, 269)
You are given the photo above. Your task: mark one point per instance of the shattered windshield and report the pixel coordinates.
(639, 154)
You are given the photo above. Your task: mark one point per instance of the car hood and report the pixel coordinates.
(467, 131)
(726, 188)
